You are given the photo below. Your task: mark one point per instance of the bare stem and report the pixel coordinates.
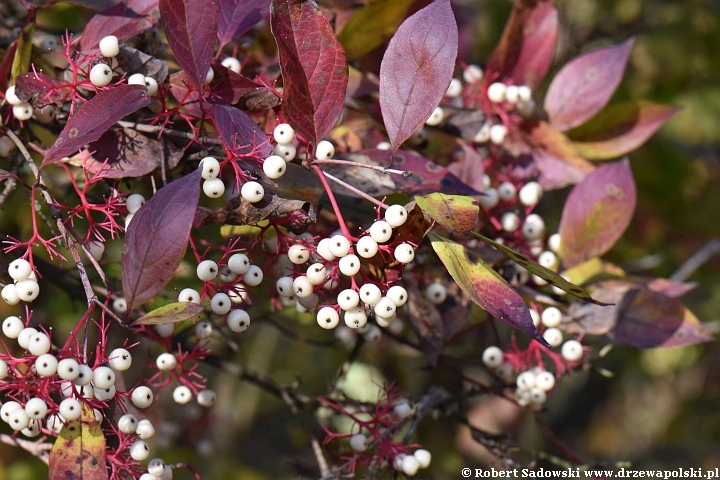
(141, 127)
(39, 449)
(710, 249)
(347, 163)
(356, 191)
(334, 203)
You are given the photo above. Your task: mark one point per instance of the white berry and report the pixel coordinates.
(436, 293)
(109, 46)
(189, 295)
(510, 221)
(70, 409)
(214, 188)
(11, 97)
(252, 192)
(339, 246)
(324, 150)
(370, 293)
(203, 330)
(385, 308)
(285, 150)
(139, 450)
(142, 397)
(254, 276)
(238, 320)
(472, 74)
(209, 76)
(493, 357)
(489, 199)
(454, 89)
(206, 398)
(19, 269)
(120, 359)
(551, 317)
(423, 457)
(534, 227)
(496, 92)
(145, 429)
(526, 380)
(84, 376)
(12, 326)
(134, 202)
(410, 465)
(27, 290)
(498, 133)
(355, 318)
(396, 215)
(231, 63)
(545, 381)
(511, 94)
(100, 75)
(359, 442)
(548, 260)
(207, 270)
(398, 295)
(530, 193)
(39, 344)
(317, 273)
(381, 231)
(220, 303)
(46, 365)
(298, 254)
(349, 265)
(239, 263)
(182, 394)
(103, 377)
(435, 117)
(274, 166)
(156, 467)
(572, 351)
(323, 250)
(328, 318)
(284, 133)
(404, 253)
(348, 299)
(18, 419)
(553, 336)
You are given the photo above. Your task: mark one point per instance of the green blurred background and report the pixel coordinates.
(662, 407)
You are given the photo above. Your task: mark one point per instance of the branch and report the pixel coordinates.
(710, 249)
(39, 449)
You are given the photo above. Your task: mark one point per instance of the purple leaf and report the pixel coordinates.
(4, 175)
(526, 48)
(416, 69)
(127, 153)
(469, 168)
(596, 213)
(313, 65)
(238, 132)
(191, 29)
(649, 319)
(619, 129)
(584, 85)
(485, 286)
(40, 89)
(124, 20)
(230, 86)
(93, 118)
(156, 239)
(236, 17)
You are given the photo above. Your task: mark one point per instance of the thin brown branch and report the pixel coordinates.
(697, 260)
(39, 449)
(355, 190)
(348, 163)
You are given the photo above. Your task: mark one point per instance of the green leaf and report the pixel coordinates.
(79, 451)
(171, 313)
(455, 212)
(591, 270)
(372, 25)
(23, 52)
(620, 128)
(485, 286)
(535, 268)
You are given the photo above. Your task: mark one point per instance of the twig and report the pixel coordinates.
(140, 127)
(317, 449)
(347, 163)
(355, 190)
(39, 449)
(711, 248)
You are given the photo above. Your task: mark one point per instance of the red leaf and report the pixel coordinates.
(191, 29)
(40, 89)
(92, 119)
(313, 65)
(619, 129)
(4, 175)
(156, 239)
(596, 213)
(236, 17)
(237, 130)
(526, 48)
(231, 86)
(584, 86)
(416, 69)
(124, 20)
(555, 156)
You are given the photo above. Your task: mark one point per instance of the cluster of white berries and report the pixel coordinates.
(410, 464)
(21, 110)
(221, 303)
(534, 384)
(353, 301)
(24, 287)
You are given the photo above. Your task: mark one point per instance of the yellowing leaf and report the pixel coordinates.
(484, 285)
(79, 451)
(372, 25)
(170, 313)
(457, 213)
(23, 52)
